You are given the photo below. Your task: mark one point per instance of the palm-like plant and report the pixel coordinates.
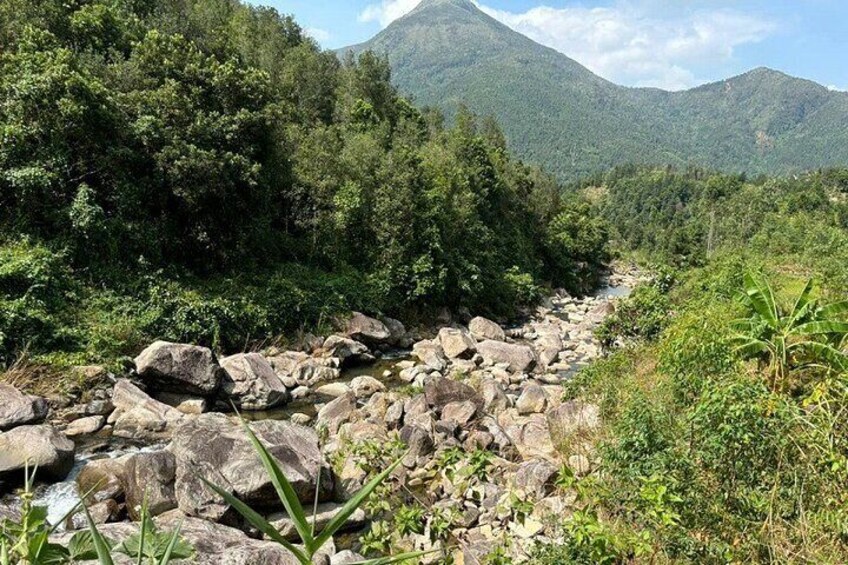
(808, 335)
(312, 543)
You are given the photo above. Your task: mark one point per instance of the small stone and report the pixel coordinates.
(333, 390)
(460, 413)
(85, 426)
(365, 386)
(300, 419)
(532, 400)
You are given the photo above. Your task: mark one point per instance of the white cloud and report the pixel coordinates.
(629, 43)
(318, 34)
(837, 89)
(387, 11)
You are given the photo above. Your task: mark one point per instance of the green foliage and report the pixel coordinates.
(255, 182)
(35, 283)
(786, 340)
(642, 316)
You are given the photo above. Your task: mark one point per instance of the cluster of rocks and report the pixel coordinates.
(472, 386)
(27, 442)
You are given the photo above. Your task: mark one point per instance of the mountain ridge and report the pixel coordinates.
(559, 114)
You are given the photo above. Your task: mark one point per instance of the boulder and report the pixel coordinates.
(536, 478)
(349, 351)
(217, 448)
(441, 391)
(520, 358)
(572, 419)
(85, 426)
(337, 412)
(419, 444)
(494, 397)
(397, 332)
(312, 372)
(533, 400)
(100, 512)
(103, 479)
(150, 476)
(365, 386)
(185, 403)
(484, 329)
(214, 544)
(19, 409)
(325, 512)
(251, 383)
(39, 446)
(459, 413)
(457, 344)
(137, 416)
(179, 368)
(333, 390)
(367, 330)
(431, 354)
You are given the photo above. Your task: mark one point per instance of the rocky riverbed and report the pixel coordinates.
(471, 387)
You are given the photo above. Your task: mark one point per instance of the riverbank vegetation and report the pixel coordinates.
(203, 172)
(724, 401)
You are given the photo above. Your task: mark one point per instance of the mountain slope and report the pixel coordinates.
(558, 113)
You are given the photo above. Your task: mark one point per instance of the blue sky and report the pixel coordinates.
(669, 44)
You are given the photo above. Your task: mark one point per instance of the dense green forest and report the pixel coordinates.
(726, 383)
(202, 171)
(560, 115)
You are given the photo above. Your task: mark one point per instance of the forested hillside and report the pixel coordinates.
(203, 172)
(560, 115)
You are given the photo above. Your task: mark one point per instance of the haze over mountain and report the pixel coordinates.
(557, 113)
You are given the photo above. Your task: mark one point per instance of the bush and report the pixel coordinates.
(642, 316)
(36, 288)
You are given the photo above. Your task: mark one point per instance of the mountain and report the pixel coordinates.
(557, 113)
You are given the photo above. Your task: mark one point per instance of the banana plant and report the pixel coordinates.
(807, 335)
(311, 543)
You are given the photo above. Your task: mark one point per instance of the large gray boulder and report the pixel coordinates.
(367, 330)
(442, 391)
(150, 477)
(251, 383)
(217, 448)
(397, 332)
(430, 353)
(457, 343)
(325, 512)
(536, 478)
(137, 416)
(214, 544)
(573, 419)
(35, 446)
(348, 351)
(103, 479)
(337, 412)
(520, 358)
(178, 367)
(18, 409)
(483, 329)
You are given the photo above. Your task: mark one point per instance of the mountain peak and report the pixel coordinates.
(425, 5)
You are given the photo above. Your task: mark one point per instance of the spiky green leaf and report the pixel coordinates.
(351, 505)
(285, 491)
(257, 521)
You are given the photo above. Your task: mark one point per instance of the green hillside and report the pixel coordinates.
(557, 113)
